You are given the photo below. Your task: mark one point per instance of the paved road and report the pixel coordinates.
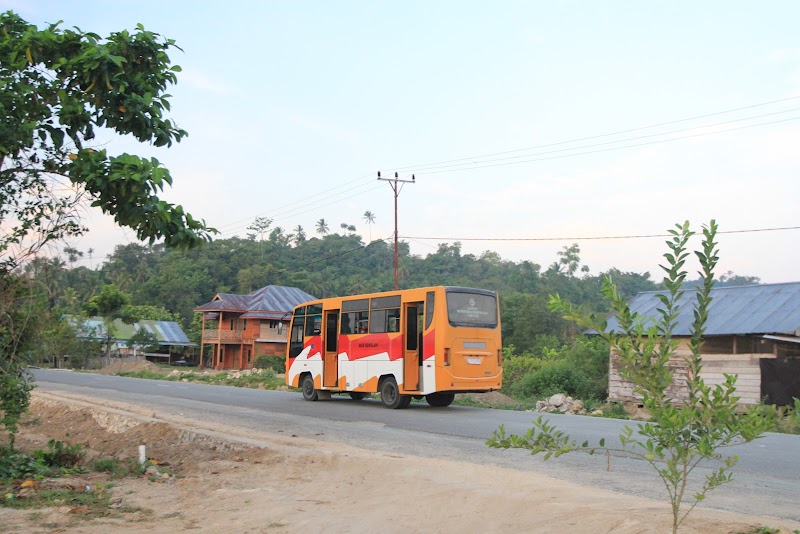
(767, 478)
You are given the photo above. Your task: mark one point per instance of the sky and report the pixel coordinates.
(528, 126)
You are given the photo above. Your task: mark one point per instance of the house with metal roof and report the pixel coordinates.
(172, 340)
(752, 332)
(240, 328)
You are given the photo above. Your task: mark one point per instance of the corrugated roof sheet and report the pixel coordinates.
(270, 302)
(167, 332)
(762, 309)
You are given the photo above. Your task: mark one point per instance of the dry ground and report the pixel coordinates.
(274, 483)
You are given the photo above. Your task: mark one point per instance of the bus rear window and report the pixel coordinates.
(472, 309)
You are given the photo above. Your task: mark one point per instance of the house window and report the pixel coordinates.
(233, 324)
(244, 325)
(717, 345)
(249, 355)
(274, 324)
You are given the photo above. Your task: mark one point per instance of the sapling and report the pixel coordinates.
(684, 430)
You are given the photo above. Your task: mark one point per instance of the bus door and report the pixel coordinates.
(330, 340)
(412, 311)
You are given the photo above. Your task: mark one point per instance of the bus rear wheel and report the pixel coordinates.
(391, 397)
(307, 385)
(440, 400)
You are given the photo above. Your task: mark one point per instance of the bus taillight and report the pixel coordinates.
(447, 356)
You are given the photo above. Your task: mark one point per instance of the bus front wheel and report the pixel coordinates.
(307, 385)
(391, 397)
(441, 399)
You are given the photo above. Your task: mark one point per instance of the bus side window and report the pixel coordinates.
(384, 314)
(313, 325)
(296, 337)
(429, 300)
(355, 316)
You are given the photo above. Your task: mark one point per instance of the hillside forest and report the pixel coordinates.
(544, 354)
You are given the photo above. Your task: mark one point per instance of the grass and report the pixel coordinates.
(265, 378)
(118, 468)
(95, 501)
(764, 530)
(22, 475)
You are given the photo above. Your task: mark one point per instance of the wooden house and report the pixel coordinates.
(240, 328)
(173, 344)
(752, 332)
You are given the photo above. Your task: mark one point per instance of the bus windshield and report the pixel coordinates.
(466, 308)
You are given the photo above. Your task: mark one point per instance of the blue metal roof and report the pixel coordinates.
(167, 332)
(761, 309)
(270, 302)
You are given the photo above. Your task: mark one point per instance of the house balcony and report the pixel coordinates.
(223, 336)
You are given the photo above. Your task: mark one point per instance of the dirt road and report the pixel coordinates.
(260, 482)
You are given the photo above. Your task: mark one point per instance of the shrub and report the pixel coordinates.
(553, 377)
(275, 363)
(60, 454)
(119, 468)
(516, 367)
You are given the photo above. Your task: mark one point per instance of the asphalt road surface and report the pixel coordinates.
(766, 479)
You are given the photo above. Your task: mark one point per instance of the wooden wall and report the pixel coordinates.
(745, 366)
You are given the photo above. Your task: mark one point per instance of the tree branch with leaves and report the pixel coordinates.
(682, 432)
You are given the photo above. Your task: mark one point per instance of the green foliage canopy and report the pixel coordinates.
(57, 87)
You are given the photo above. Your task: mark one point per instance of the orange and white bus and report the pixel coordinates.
(431, 342)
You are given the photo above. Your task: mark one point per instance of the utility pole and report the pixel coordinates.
(393, 183)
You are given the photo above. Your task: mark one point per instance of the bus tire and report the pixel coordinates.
(391, 397)
(441, 399)
(307, 386)
(358, 395)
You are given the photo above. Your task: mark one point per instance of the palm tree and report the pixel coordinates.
(72, 255)
(370, 218)
(299, 235)
(322, 227)
(90, 252)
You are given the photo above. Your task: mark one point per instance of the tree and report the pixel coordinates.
(299, 235)
(680, 434)
(144, 341)
(146, 312)
(732, 279)
(73, 254)
(110, 304)
(369, 217)
(56, 88)
(569, 260)
(260, 226)
(18, 313)
(322, 227)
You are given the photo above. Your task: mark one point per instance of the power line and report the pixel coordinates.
(309, 208)
(589, 238)
(302, 200)
(610, 149)
(619, 132)
(475, 162)
(284, 212)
